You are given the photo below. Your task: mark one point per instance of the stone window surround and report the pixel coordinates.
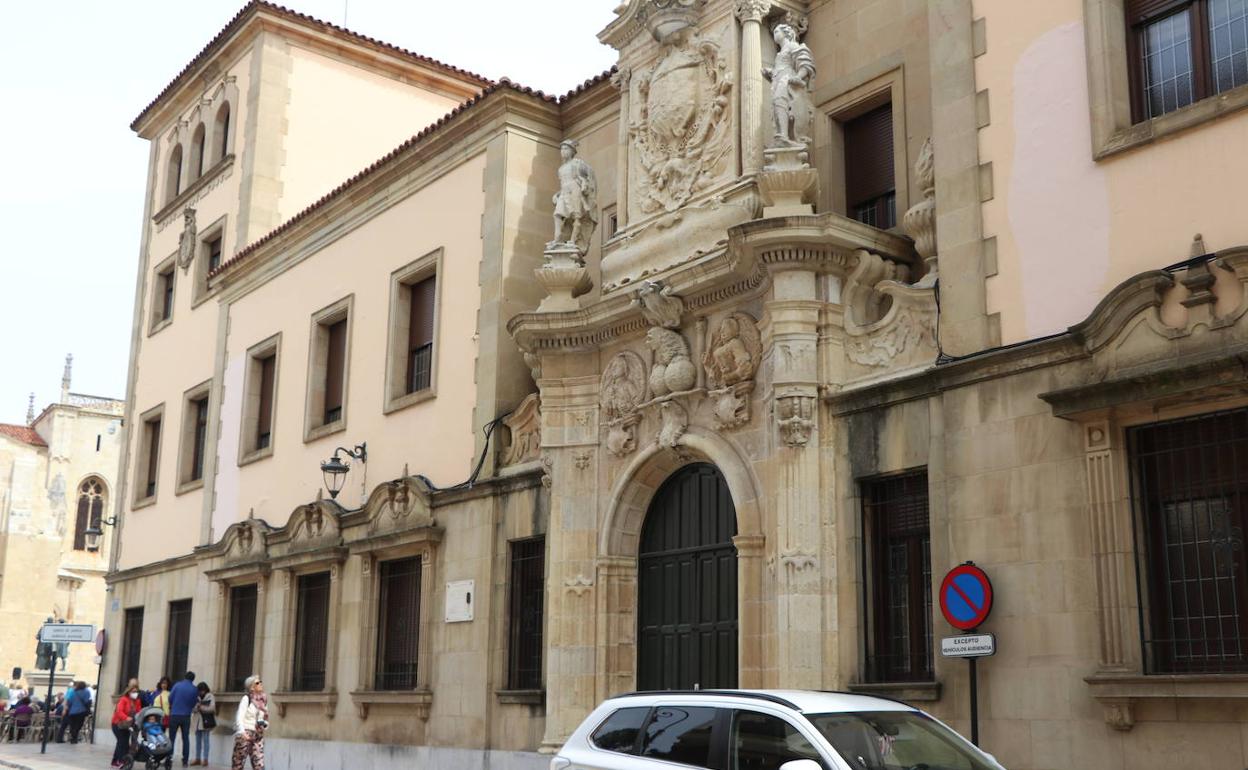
(1109, 88)
(429, 265)
(168, 265)
(201, 290)
(318, 342)
(247, 451)
(845, 99)
(257, 574)
(421, 542)
(1120, 682)
(140, 468)
(291, 569)
(922, 691)
(186, 438)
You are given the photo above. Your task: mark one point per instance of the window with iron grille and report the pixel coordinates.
(178, 640)
(242, 636)
(398, 624)
(897, 552)
(1189, 488)
(528, 589)
(422, 297)
(311, 632)
(131, 647)
(1184, 51)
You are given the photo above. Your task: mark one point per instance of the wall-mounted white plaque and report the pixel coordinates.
(459, 598)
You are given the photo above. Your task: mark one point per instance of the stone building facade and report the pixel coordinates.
(840, 295)
(58, 478)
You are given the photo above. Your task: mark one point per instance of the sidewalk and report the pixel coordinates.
(60, 756)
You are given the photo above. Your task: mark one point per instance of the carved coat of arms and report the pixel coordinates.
(681, 128)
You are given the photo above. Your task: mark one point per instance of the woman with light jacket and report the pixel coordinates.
(249, 724)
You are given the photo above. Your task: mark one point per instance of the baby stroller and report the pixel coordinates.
(148, 742)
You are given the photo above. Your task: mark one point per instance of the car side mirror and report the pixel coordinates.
(801, 764)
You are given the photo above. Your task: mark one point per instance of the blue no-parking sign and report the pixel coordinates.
(966, 597)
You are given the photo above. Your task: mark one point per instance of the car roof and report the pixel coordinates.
(805, 701)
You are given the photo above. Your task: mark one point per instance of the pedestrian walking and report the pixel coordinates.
(205, 721)
(249, 725)
(76, 706)
(123, 719)
(183, 698)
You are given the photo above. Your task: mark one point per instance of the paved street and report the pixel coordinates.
(60, 756)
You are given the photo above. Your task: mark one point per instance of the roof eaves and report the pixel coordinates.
(255, 7)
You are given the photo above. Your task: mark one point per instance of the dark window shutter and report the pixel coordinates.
(335, 369)
(528, 576)
(420, 331)
(131, 647)
(201, 434)
(869, 156)
(312, 632)
(153, 455)
(264, 421)
(80, 523)
(214, 253)
(178, 641)
(1138, 11)
(398, 639)
(242, 639)
(97, 511)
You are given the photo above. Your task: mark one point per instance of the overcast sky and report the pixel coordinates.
(73, 74)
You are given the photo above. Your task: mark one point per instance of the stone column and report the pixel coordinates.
(622, 80)
(793, 336)
(751, 14)
(751, 606)
(569, 389)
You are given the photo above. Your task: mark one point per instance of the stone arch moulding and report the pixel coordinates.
(620, 538)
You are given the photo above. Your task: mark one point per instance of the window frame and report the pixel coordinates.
(842, 101)
(228, 662)
(92, 519)
(395, 395)
(249, 450)
(314, 425)
(298, 640)
(201, 393)
(202, 290)
(130, 643)
(142, 469)
(174, 174)
(176, 673)
(165, 270)
(515, 598)
(1112, 93)
(875, 575)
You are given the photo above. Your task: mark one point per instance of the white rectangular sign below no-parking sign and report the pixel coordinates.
(968, 646)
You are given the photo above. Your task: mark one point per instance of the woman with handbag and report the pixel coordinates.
(249, 725)
(205, 721)
(123, 720)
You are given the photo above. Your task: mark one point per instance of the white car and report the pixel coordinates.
(764, 730)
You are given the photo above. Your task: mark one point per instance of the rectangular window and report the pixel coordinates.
(329, 351)
(264, 418)
(131, 646)
(200, 408)
(528, 584)
(311, 632)
(193, 445)
(398, 624)
(870, 189)
(178, 640)
(147, 467)
(213, 249)
(897, 555)
(259, 419)
(164, 278)
(335, 369)
(1189, 488)
(1184, 51)
(420, 334)
(242, 636)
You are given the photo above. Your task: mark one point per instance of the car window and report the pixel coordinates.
(898, 740)
(619, 731)
(680, 734)
(764, 742)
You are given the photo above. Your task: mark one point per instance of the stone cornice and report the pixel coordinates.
(388, 182)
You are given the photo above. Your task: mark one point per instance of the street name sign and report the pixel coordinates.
(968, 646)
(66, 632)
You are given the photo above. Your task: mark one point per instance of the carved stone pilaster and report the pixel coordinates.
(622, 80)
(1111, 548)
(753, 121)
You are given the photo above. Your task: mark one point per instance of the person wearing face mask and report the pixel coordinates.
(123, 720)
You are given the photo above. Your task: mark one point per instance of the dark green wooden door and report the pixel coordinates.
(687, 585)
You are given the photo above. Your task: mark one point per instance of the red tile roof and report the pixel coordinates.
(588, 84)
(22, 433)
(254, 7)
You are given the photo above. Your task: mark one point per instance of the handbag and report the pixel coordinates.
(209, 721)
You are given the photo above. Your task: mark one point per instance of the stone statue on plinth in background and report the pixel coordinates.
(576, 203)
(791, 78)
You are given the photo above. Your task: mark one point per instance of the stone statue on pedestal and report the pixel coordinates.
(791, 78)
(576, 203)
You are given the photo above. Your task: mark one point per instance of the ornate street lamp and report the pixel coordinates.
(335, 470)
(93, 533)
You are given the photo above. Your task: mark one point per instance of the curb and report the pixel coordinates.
(14, 765)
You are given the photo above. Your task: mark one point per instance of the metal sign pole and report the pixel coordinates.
(974, 702)
(47, 706)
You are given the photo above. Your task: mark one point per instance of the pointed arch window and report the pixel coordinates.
(198, 156)
(90, 510)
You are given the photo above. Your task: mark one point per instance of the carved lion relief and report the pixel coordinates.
(672, 371)
(623, 386)
(680, 131)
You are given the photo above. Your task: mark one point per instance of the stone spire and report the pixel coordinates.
(66, 377)
(30, 410)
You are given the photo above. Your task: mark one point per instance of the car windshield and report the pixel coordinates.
(898, 740)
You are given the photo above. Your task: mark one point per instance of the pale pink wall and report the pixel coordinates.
(1069, 228)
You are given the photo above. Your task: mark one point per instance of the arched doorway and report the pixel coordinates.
(687, 584)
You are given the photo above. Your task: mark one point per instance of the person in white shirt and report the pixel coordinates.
(249, 724)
